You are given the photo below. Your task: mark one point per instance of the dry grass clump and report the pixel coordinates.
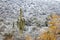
(28, 37)
(53, 31)
(8, 37)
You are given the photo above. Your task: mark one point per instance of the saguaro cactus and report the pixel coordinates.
(21, 22)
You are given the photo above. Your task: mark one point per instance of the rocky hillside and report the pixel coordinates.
(35, 13)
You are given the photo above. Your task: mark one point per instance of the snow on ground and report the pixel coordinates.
(34, 11)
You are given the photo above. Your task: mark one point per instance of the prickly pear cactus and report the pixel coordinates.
(21, 22)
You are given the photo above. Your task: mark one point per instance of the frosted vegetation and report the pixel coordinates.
(34, 12)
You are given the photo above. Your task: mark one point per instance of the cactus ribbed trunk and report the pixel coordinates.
(21, 22)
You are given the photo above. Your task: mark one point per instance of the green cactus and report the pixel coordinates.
(21, 22)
